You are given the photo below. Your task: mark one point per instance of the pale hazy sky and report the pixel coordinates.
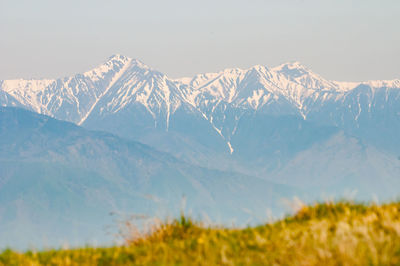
(340, 39)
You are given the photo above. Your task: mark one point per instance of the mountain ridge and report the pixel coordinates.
(123, 85)
(12, 87)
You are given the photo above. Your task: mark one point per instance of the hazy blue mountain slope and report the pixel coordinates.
(189, 137)
(344, 166)
(370, 113)
(264, 143)
(59, 182)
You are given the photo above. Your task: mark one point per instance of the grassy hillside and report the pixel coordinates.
(323, 234)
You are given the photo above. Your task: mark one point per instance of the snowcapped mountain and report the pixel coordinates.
(67, 98)
(139, 84)
(125, 90)
(255, 127)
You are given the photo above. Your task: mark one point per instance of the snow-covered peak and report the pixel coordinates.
(298, 74)
(259, 68)
(26, 92)
(140, 64)
(375, 84)
(294, 69)
(25, 84)
(113, 64)
(383, 83)
(118, 57)
(291, 65)
(346, 86)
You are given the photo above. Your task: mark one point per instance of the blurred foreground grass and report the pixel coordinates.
(323, 234)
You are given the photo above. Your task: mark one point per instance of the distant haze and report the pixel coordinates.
(350, 40)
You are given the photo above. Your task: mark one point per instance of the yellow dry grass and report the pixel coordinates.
(323, 234)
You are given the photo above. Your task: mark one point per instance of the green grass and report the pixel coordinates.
(323, 234)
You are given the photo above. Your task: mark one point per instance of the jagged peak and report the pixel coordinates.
(229, 72)
(118, 58)
(293, 65)
(294, 70)
(237, 70)
(259, 67)
(115, 62)
(138, 63)
(394, 83)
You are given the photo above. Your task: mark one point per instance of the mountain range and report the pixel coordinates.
(122, 86)
(262, 132)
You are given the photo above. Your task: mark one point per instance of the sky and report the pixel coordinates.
(345, 40)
